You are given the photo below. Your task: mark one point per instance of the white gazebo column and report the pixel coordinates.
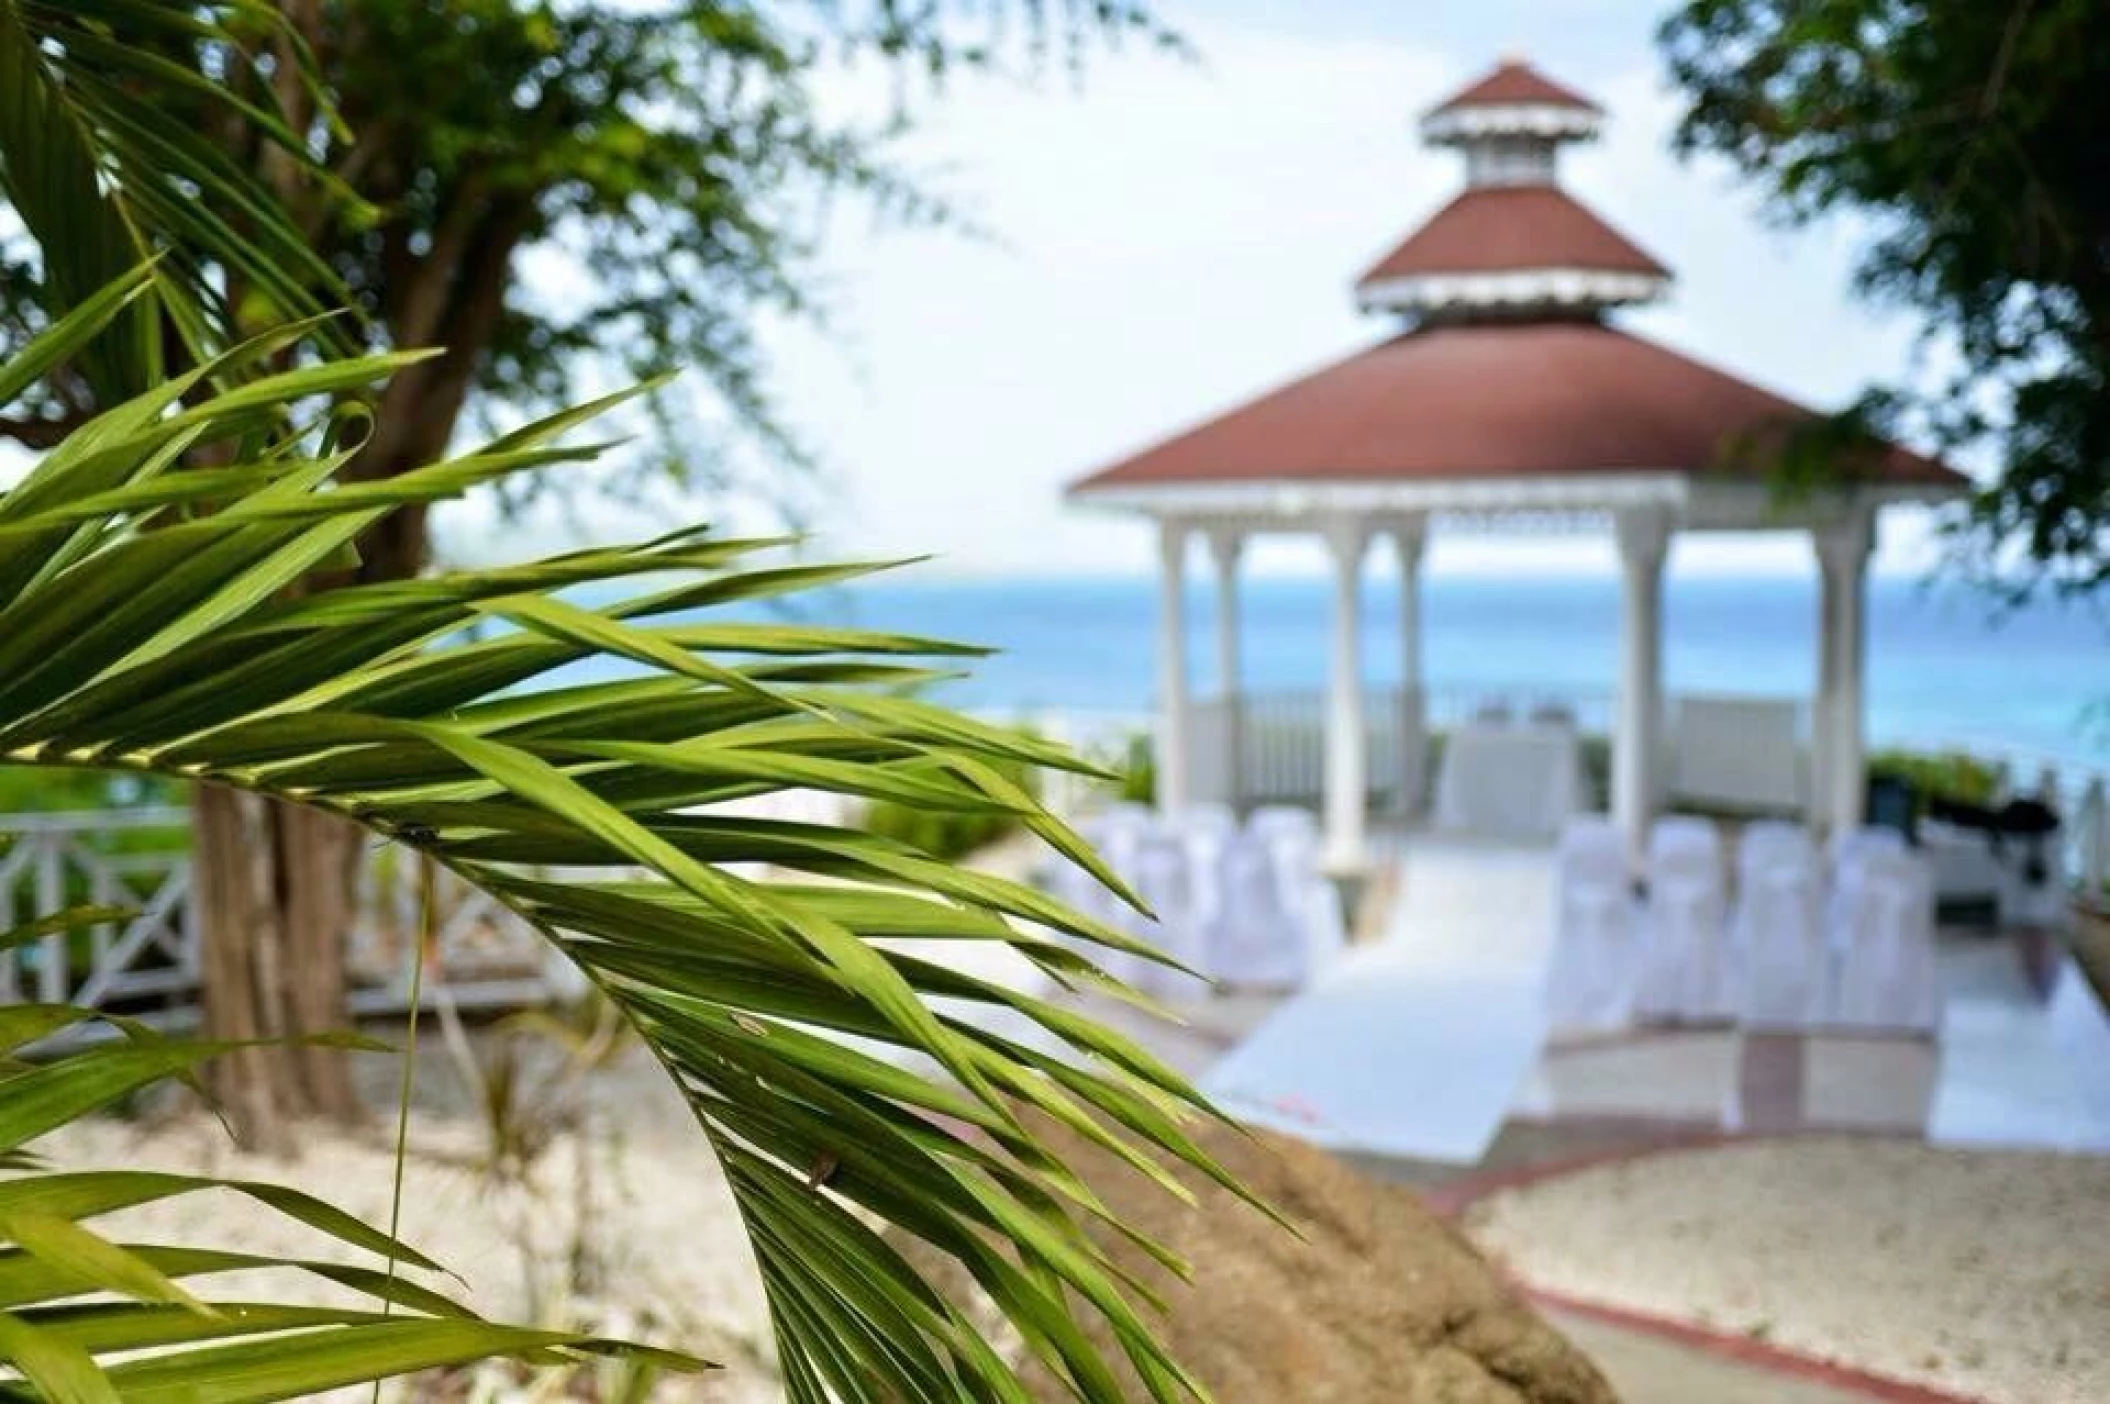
(1837, 723)
(1644, 537)
(1347, 765)
(1409, 537)
(1175, 714)
(1225, 546)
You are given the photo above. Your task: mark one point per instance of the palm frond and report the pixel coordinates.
(844, 1082)
(164, 1336)
(106, 182)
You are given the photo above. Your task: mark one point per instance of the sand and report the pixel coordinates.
(1982, 1273)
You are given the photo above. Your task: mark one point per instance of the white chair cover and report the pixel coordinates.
(1118, 834)
(1128, 814)
(1164, 878)
(1261, 940)
(1591, 845)
(1210, 818)
(1079, 890)
(1272, 819)
(1882, 936)
(1685, 844)
(1590, 979)
(1851, 846)
(1685, 968)
(1782, 955)
(1205, 832)
(1295, 856)
(1766, 842)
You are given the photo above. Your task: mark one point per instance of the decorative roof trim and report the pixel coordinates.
(1695, 504)
(1450, 126)
(1296, 499)
(1522, 287)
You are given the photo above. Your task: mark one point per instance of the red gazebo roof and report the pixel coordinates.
(1489, 400)
(1508, 369)
(1500, 228)
(1515, 83)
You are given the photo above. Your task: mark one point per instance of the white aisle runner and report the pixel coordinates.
(1415, 1046)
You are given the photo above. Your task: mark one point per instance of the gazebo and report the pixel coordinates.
(1507, 396)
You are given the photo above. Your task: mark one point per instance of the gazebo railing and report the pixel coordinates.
(1270, 747)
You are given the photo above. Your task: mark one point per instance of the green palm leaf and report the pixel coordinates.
(842, 1082)
(105, 182)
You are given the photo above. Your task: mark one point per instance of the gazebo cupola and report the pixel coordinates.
(1513, 243)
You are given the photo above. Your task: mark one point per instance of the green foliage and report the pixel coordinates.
(1596, 748)
(149, 1333)
(1136, 777)
(666, 166)
(59, 790)
(1971, 133)
(146, 625)
(950, 834)
(103, 182)
(1953, 775)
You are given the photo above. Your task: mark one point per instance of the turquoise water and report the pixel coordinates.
(1944, 664)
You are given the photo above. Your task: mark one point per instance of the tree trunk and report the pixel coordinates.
(274, 888)
(275, 883)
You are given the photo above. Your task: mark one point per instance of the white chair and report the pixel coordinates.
(1261, 940)
(1129, 814)
(1592, 844)
(1118, 835)
(1211, 818)
(1686, 844)
(1779, 959)
(1164, 878)
(1851, 846)
(1590, 979)
(1782, 957)
(1882, 938)
(1206, 832)
(1684, 966)
(1295, 855)
(1767, 841)
(1272, 819)
(1080, 891)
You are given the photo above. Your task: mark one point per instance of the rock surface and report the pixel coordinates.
(1381, 1301)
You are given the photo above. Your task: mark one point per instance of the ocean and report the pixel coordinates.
(1946, 665)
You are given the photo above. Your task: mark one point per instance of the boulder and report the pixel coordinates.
(1380, 1301)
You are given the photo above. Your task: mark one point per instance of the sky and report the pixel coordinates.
(1172, 238)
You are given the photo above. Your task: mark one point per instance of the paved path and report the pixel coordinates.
(1647, 1369)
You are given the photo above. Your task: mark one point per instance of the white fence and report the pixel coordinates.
(1269, 747)
(64, 860)
(147, 961)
